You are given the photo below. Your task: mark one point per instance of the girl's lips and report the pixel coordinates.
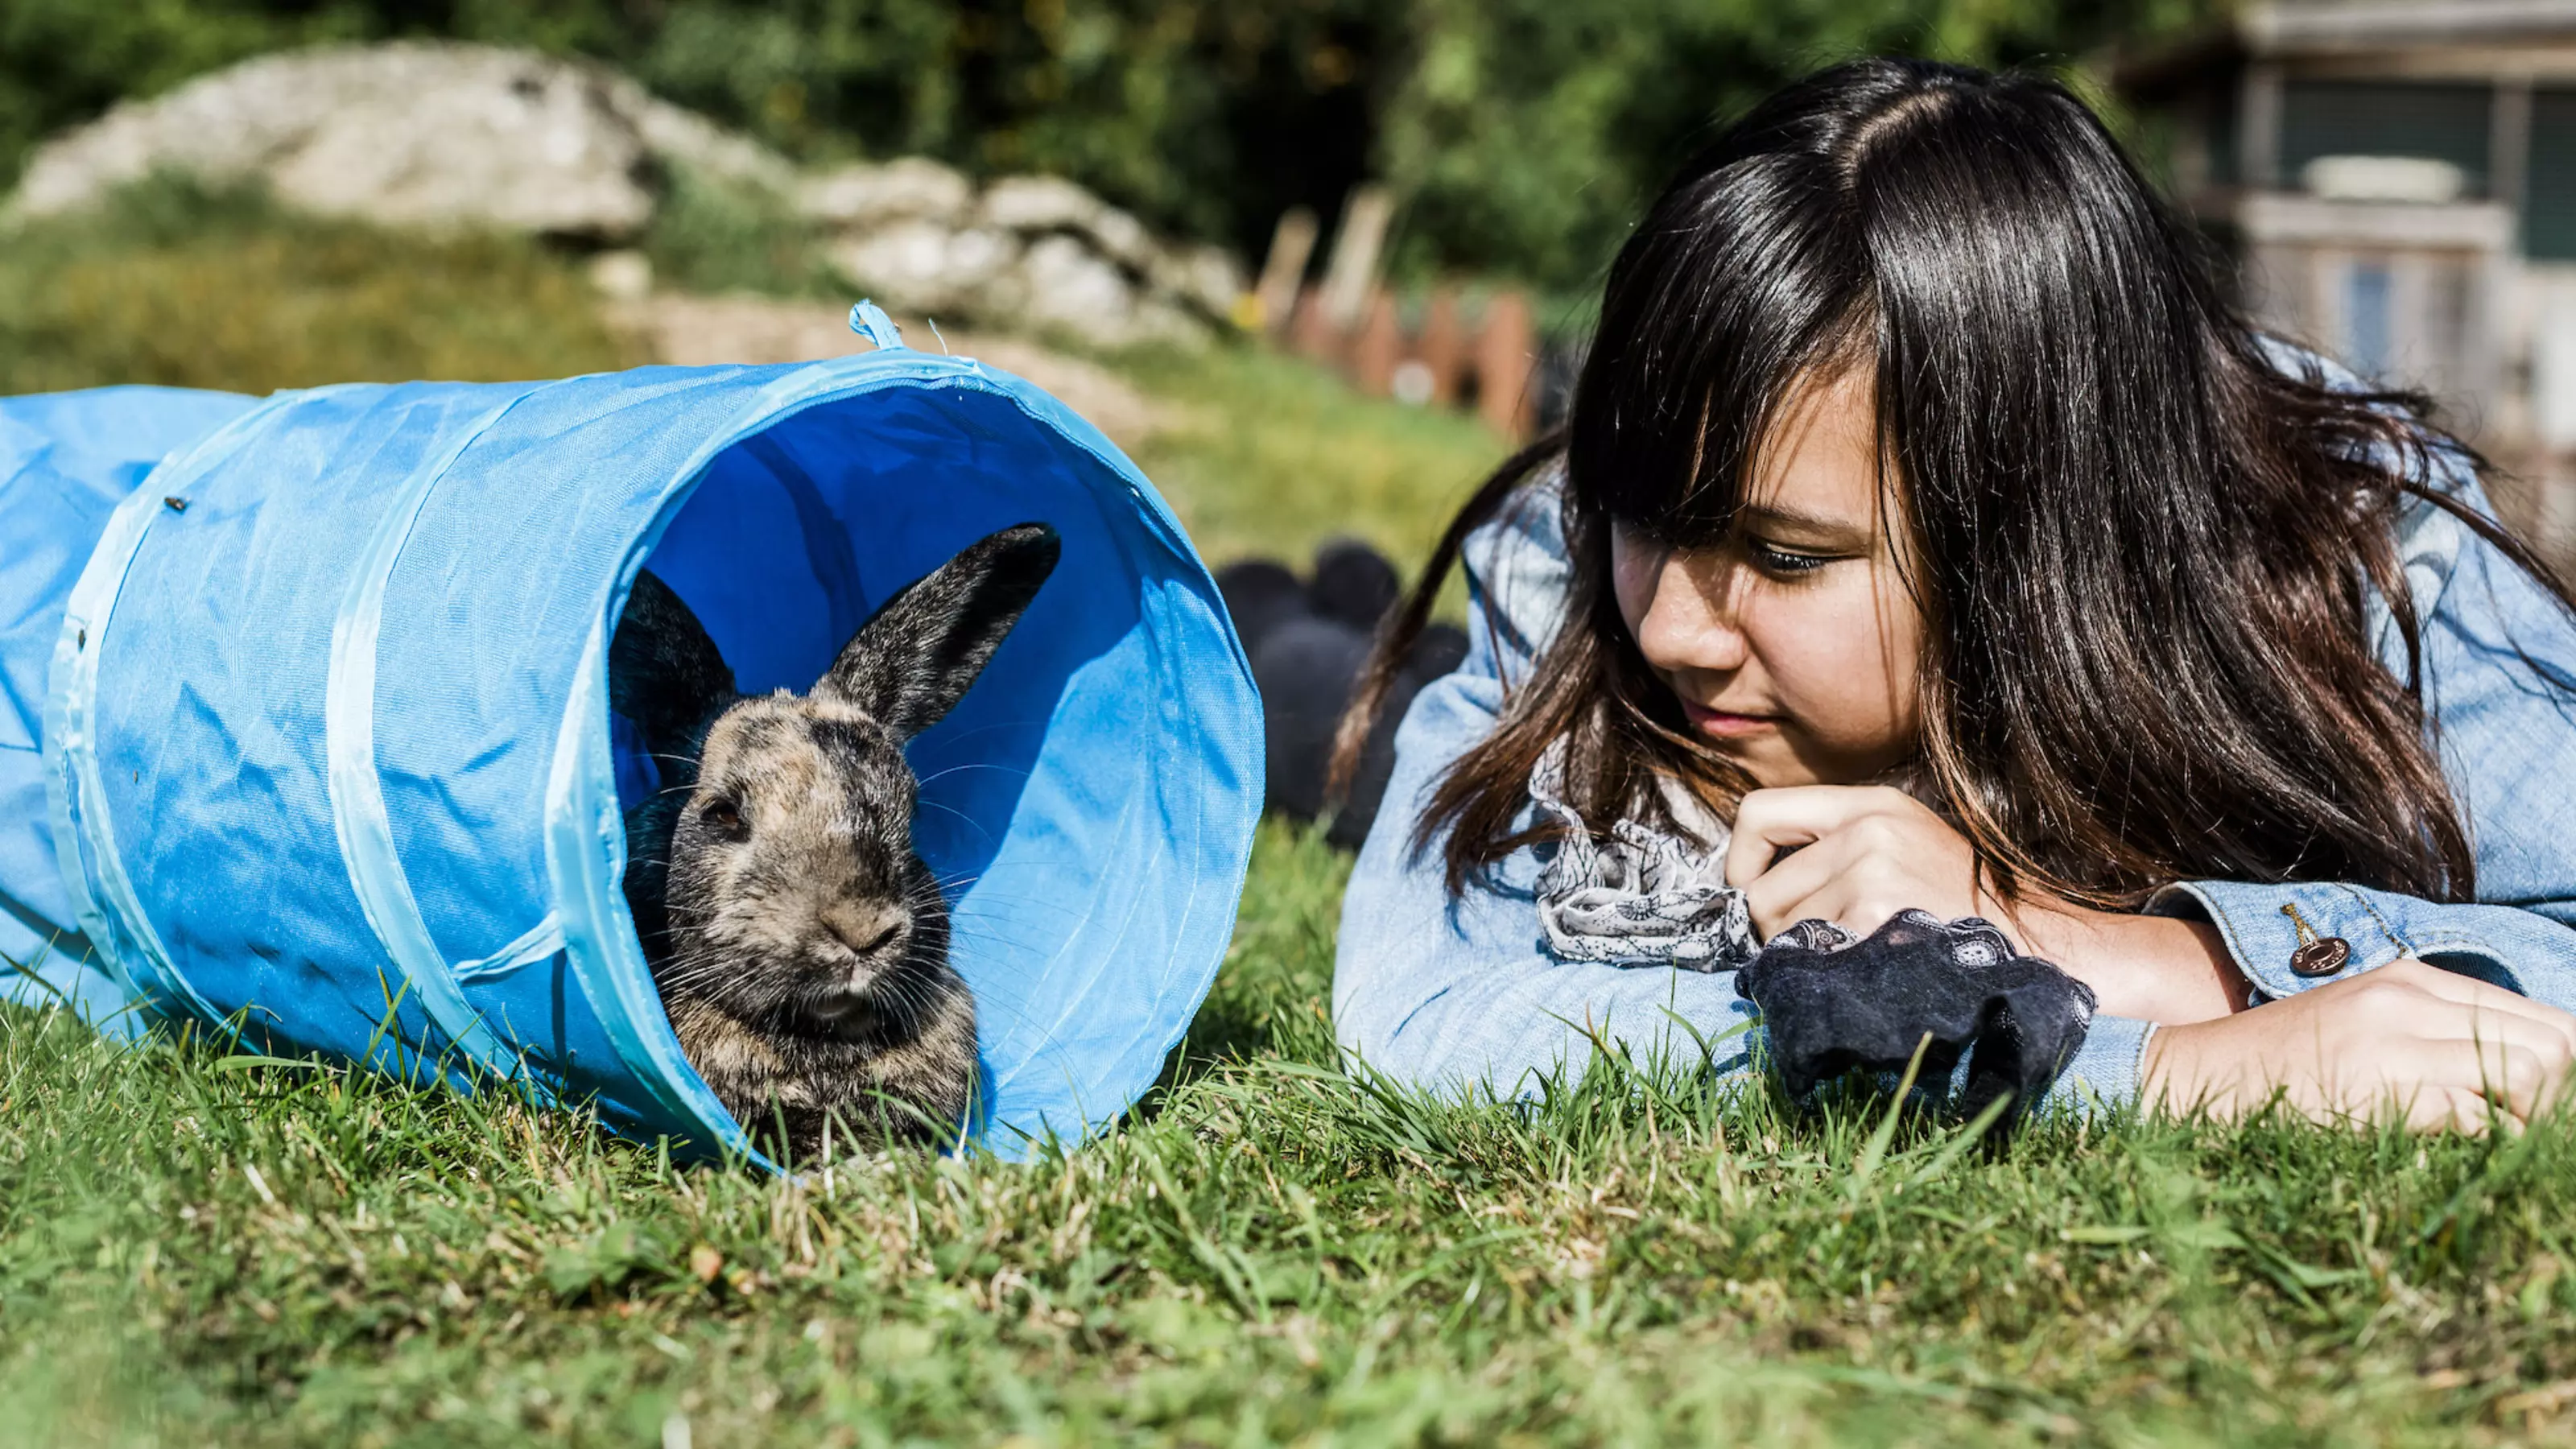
(1724, 725)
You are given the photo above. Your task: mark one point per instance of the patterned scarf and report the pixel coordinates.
(1641, 898)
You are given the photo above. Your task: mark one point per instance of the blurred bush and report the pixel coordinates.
(1520, 134)
(1525, 135)
(172, 284)
(713, 235)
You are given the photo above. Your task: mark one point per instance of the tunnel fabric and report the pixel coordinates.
(66, 460)
(323, 713)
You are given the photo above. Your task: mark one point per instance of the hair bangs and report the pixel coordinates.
(1734, 295)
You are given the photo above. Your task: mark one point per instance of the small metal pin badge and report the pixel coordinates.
(2316, 955)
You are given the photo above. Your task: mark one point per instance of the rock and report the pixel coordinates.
(919, 265)
(677, 137)
(865, 195)
(1206, 278)
(1038, 252)
(622, 276)
(1037, 204)
(696, 331)
(428, 135)
(469, 136)
(1069, 289)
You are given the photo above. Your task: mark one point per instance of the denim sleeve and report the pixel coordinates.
(2494, 644)
(1458, 995)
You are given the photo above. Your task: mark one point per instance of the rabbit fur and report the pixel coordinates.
(799, 942)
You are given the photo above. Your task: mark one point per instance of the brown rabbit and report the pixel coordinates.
(799, 943)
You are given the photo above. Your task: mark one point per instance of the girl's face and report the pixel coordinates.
(1792, 644)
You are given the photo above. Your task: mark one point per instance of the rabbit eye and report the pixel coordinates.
(725, 818)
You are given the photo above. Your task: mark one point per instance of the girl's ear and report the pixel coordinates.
(664, 672)
(911, 663)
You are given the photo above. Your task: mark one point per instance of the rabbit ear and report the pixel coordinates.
(664, 673)
(910, 664)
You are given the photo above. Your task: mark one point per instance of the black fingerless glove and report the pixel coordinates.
(1832, 1005)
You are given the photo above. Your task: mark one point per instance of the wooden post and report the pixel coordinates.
(1443, 348)
(1378, 348)
(1506, 362)
(1292, 245)
(1352, 274)
(1311, 334)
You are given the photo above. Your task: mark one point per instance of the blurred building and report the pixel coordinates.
(2397, 179)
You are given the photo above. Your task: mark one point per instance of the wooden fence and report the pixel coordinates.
(1444, 349)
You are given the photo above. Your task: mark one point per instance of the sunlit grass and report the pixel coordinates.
(172, 285)
(1270, 1252)
(1269, 455)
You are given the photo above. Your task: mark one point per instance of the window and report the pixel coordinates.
(2549, 188)
(2385, 118)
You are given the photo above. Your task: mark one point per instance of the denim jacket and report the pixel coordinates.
(1459, 996)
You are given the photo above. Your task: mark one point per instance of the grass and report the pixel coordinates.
(197, 1249)
(1269, 455)
(174, 285)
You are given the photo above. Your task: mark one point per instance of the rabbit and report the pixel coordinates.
(798, 941)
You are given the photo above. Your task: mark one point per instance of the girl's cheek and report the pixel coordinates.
(1841, 675)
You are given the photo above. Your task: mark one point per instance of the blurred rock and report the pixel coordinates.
(695, 331)
(1052, 204)
(867, 194)
(622, 276)
(677, 137)
(403, 135)
(1032, 252)
(1207, 277)
(447, 135)
(915, 264)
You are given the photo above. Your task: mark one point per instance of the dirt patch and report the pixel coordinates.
(698, 331)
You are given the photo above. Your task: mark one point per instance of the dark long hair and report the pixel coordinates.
(2142, 546)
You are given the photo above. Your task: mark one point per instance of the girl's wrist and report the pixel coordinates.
(2155, 968)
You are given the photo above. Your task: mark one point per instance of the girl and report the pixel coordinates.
(1925, 513)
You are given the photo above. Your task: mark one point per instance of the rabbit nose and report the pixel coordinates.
(864, 929)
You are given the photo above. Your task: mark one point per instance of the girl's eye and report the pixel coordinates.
(1786, 561)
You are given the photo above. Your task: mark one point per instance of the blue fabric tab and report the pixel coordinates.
(871, 322)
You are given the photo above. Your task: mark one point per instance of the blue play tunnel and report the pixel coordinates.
(304, 727)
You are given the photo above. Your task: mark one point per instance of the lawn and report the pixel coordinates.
(198, 1249)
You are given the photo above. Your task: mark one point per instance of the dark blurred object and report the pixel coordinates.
(1308, 643)
(1260, 594)
(1353, 584)
(1832, 1005)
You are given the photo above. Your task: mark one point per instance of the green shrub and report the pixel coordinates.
(1527, 134)
(711, 236)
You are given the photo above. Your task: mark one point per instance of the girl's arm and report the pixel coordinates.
(2495, 648)
(1457, 996)
(2357, 992)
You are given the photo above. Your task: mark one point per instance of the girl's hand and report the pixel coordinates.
(2409, 1041)
(1864, 853)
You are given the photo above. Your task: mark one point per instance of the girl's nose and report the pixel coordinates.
(1691, 622)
